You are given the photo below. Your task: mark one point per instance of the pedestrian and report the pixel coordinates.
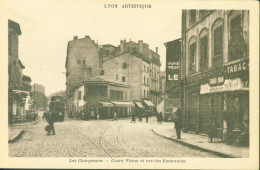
(133, 117)
(160, 118)
(115, 116)
(140, 116)
(146, 117)
(177, 122)
(50, 119)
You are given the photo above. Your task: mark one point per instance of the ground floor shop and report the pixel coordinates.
(220, 110)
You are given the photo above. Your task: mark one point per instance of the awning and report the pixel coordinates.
(21, 92)
(106, 104)
(148, 103)
(139, 105)
(123, 104)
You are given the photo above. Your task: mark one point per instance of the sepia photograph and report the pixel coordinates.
(129, 84)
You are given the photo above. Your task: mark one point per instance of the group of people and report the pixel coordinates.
(140, 115)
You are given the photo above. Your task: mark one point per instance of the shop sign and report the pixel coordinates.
(237, 67)
(229, 85)
(173, 70)
(216, 81)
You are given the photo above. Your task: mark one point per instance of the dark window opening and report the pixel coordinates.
(123, 78)
(102, 72)
(192, 57)
(237, 44)
(204, 53)
(192, 16)
(83, 62)
(134, 50)
(79, 95)
(218, 42)
(124, 65)
(89, 70)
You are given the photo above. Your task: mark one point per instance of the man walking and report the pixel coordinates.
(177, 122)
(50, 119)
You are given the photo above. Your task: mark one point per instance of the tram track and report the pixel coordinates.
(117, 146)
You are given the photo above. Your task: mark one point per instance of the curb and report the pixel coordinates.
(17, 137)
(196, 147)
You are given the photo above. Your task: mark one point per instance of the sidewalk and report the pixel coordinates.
(167, 130)
(15, 131)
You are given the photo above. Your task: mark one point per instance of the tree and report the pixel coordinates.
(39, 100)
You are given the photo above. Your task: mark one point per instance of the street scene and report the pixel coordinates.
(104, 138)
(86, 94)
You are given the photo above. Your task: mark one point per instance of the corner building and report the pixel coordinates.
(215, 52)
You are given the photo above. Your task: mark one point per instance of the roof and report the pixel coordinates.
(109, 45)
(179, 39)
(144, 59)
(21, 64)
(15, 26)
(26, 78)
(101, 80)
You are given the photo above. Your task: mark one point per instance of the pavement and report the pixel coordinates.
(167, 130)
(201, 142)
(15, 131)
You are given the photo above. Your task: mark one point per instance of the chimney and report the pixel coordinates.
(156, 50)
(121, 46)
(75, 38)
(140, 47)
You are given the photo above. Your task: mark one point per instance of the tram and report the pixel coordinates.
(57, 107)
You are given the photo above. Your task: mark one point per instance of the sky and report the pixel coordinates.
(48, 27)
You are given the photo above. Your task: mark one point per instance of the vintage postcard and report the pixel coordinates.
(129, 84)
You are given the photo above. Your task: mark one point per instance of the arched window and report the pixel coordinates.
(237, 46)
(192, 55)
(203, 42)
(217, 37)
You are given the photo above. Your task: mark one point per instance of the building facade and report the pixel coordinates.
(99, 96)
(132, 64)
(18, 85)
(216, 70)
(136, 65)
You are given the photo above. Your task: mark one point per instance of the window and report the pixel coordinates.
(89, 70)
(134, 50)
(83, 62)
(123, 78)
(147, 81)
(192, 16)
(192, 57)
(117, 77)
(144, 80)
(78, 62)
(144, 68)
(9, 45)
(218, 42)
(237, 43)
(217, 38)
(79, 95)
(204, 53)
(144, 93)
(124, 65)
(102, 72)
(125, 95)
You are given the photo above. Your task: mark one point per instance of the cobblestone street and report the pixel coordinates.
(103, 138)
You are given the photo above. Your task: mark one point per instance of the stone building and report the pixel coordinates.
(17, 93)
(98, 95)
(136, 65)
(216, 70)
(132, 64)
(82, 62)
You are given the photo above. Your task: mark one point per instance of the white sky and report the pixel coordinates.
(47, 27)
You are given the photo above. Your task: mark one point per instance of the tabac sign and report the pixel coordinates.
(237, 67)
